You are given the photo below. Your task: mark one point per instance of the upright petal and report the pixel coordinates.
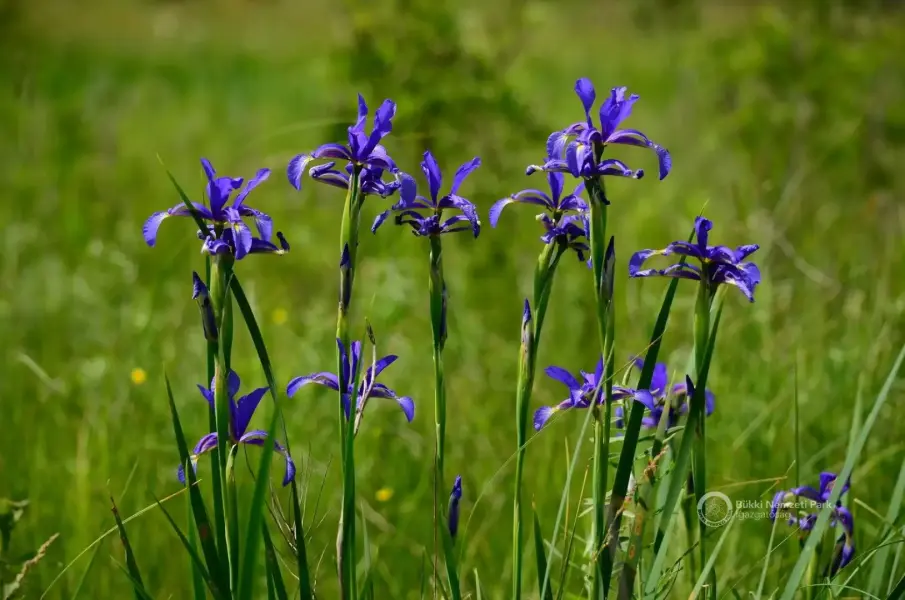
(434, 176)
(659, 380)
(612, 166)
(207, 394)
(259, 177)
(296, 169)
(323, 378)
(245, 409)
(383, 123)
(702, 227)
(637, 261)
(615, 109)
(362, 113)
(209, 170)
(218, 192)
(563, 376)
(585, 91)
(744, 251)
(462, 172)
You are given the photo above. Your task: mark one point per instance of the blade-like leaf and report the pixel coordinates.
(197, 574)
(541, 556)
(131, 565)
(794, 580)
(878, 564)
(199, 512)
(273, 566)
(84, 577)
(705, 572)
(196, 559)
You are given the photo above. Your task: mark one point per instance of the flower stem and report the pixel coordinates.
(221, 271)
(531, 332)
(698, 463)
(601, 259)
(437, 293)
(345, 538)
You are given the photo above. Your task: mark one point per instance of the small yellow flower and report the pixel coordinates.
(138, 376)
(384, 494)
(280, 316)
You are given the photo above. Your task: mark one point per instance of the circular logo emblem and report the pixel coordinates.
(714, 509)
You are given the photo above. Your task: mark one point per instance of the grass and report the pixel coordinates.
(791, 139)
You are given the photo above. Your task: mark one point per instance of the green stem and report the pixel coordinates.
(345, 538)
(221, 270)
(601, 254)
(699, 465)
(531, 333)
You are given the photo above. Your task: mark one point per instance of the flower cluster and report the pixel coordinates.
(425, 215)
(241, 411)
(785, 501)
(225, 228)
(578, 148)
(718, 264)
(672, 399)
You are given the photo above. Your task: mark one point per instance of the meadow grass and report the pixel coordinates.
(786, 128)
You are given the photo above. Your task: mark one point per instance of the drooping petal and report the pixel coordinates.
(434, 176)
(332, 150)
(733, 276)
(257, 437)
(682, 271)
(808, 492)
(150, 227)
(778, 500)
(259, 177)
(462, 172)
(323, 378)
(241, 236)
(207, 394)
(408, 407)
(744, 251)
(325, 173)
(637, 261)
(207, 443)
(542, 415)
(612, 166)
(263, 221)
(529, 196)
(633, 137)
(378, 158)
(296, 169)
(245, 409)
(563, 376)
(379, 220)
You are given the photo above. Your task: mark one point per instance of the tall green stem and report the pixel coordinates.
(221, 270)
(345, 539)
(531, 332)
(601, 260)
(699, 463)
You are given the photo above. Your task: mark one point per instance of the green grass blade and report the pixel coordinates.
(629, 446)
(367, 586)
(677, 479)
(452, 569)
(196, 559)
(305, 591)
(708, 567)
(763, 573)
(84, 577)
(794, 580)
(878, 564)
(131, 565)
(140, 592)
(541, 556)
(185, 199)
(199, 512)
(898, 592)
(274, 575)
(197, 574)
(256, 515)
(480, 594)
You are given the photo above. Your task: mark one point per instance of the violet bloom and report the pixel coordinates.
(453, 512)
(672, 398)
(368, 388)
(241, 411)
(565, 219)
(363, 150)
(785, 503)
(425, 215)
(718, 264)
(220, 216)
(584, 142)
(586, 392)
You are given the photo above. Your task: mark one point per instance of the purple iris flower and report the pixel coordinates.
(241, 411)
(718, 264)
(425, 215)
(585, 392)
(784, 501)
(577, 148)
(363, 150)
(453, 512)
(673, 398)
(218, 214)
(565, 219)
(368, 388)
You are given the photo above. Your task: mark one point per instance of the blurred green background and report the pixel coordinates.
(786, 125)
